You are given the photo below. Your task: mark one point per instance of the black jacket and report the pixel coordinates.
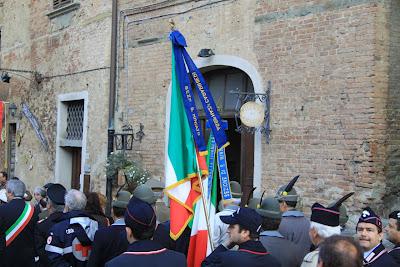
(161, 236)
(150, 254)
(21, 251)
(108, 243)
(250, 253)
(41, 233)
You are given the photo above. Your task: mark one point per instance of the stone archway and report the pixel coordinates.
(251, 71)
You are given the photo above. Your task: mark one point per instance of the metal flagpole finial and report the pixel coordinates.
(172, 24)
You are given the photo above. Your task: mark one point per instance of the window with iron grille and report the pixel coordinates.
(75, 115)
(61, 3)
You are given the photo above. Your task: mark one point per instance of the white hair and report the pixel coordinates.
(16, 188)
(75, 200)
(39, 190)
(325, 231)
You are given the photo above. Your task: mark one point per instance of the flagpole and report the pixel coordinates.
(204, 203)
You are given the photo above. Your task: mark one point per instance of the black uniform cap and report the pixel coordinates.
(46, 186)
(395, 215)
(326, 216)
(56, 193)
(369, 216)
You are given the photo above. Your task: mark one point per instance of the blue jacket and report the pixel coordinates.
(70, 240)
(250, 253)
(379, 258)
(150, 254)
(395, 254)
(109, 242)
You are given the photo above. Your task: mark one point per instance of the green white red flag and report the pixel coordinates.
(200, 238)
(181, 162)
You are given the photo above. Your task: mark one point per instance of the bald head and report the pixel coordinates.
(340, 251)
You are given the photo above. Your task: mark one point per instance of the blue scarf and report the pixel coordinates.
(184, 61)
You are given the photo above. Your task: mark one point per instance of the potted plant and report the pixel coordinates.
(131, 170)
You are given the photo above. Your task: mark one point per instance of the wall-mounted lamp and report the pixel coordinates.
(5, 77)
(205, 52)
(124, 140)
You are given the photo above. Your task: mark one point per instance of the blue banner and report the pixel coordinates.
(183, 60)
(224, 175)
(207, 101)
(211, 162)
(188, 100)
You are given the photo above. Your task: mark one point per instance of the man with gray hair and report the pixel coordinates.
(17, 227)
(324, 223)
(70, 240)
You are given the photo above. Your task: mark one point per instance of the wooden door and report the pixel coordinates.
(240, 152)
(76, 167)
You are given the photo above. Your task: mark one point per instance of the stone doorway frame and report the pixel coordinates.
(61, 154)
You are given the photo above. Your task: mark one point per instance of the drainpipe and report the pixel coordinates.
(111, 99)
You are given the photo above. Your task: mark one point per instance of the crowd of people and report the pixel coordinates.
(59, 227)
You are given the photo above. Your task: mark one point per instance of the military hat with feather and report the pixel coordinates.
(343, 217)
(288, 192)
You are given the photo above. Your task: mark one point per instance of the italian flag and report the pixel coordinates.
(183, 164)
(200, 239)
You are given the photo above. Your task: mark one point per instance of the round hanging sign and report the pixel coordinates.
(252, 114)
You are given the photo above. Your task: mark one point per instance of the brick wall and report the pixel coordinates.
(330, 109)
(329, 63)
(392, 164)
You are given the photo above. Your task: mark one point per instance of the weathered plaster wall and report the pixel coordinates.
(62, 49)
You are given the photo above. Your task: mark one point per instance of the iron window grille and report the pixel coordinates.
(60, 3)
(75, 112)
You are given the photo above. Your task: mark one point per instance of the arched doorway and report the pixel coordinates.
(240, 153)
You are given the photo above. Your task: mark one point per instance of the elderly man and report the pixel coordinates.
(17, 223)
(70, 240)
(393, 234)
(111, 241)
(340, 251)
(324, 223)
(370, 235)
(140, 220)
(55, 207)
(244, 229)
